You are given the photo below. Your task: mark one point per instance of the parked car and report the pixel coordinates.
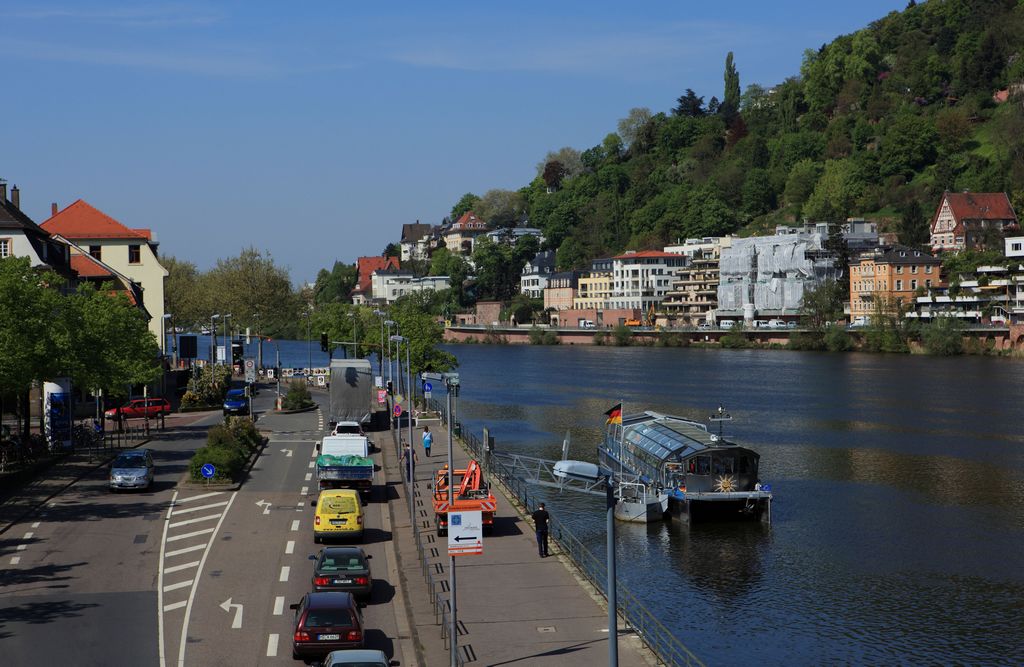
(325, 622)
(343, 569)
(140, 407)
(776, 324)
(791, 324)
(359, 658)
(132, 469)
(339, 514)
(704, 326)
(236, 402)
(727, 324)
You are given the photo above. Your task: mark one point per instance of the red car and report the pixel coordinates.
(140, 407)
(326, 622)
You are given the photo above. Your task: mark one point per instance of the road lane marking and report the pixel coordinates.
(295, 524)
(35, 524)
(289, 548)
(278, 605)
(192, 592)
(15, 560)
(285, 571)
(272, 645)
(201, 496)
(28, 536)
(200, 508)
(187, 522)
(160, 584)
(304, 491)
(309, 476)
(181, 584)
(185, 536)
(179, 568)
(175, 605)
(227, 605)
(312, 463)
(178, 552)
(22, 547)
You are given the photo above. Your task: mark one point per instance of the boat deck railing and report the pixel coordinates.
(637, 617)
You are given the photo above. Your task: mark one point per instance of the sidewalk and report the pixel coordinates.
(513, 608)
(27, 495)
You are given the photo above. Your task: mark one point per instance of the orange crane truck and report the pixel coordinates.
(471, 494)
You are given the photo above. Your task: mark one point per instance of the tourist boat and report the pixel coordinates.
(682, 470)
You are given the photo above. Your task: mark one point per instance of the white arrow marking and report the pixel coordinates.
(287, 453)
(265, 505)
(226, 606)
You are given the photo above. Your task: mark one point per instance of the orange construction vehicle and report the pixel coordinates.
(471, 494)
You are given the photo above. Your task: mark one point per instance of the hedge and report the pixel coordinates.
(228, 448)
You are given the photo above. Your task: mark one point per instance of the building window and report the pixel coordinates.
(913, 284)
(899, 285)
(134, 254)
(1016, 247)
(928, 283)
(5, 248)
(899, 269)
(96, 251)
(928, 269)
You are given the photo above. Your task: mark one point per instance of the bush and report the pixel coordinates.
(244, 433)
(298, 396)
(599, 338)
(228, 461)
(736, 340)
(838, 340)
(207, 386)
(622, 335)
(806, 341)
(536, 335)
(943, 337)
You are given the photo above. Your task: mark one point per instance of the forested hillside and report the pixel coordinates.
(877, 124)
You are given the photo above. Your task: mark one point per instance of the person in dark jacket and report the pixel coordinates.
(540, 523)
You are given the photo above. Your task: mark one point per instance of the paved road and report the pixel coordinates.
(157, 577)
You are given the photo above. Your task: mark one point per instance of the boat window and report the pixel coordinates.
(723, 466)
(703, 465)
(744, 464)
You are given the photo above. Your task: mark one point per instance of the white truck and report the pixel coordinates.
(343, 462)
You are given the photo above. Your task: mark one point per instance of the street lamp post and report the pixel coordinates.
(309, 350)
(452, 389)
(398, 340)
(389, 324)
(380, 353)
(589, 472)
(213, 339)
(227, 342)
(259, 341)
(163, 339)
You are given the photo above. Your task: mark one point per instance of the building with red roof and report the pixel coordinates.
(971, 220)
(365, 268)
(129, 252)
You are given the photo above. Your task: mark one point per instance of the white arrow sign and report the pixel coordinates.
(265, 505)
(236, 623)
(287, 453)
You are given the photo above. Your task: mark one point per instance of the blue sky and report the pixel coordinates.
(316, 129)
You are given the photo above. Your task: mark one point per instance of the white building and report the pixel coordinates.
(536, 274)
(415, 243)
(388, 285)
(20, 236)
(640, 280)
(1014, 247)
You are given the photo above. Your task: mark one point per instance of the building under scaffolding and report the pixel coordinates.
(766, 276)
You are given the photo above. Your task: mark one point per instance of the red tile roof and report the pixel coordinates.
(365, 266)
(469, 221)
(88, 267)
(82, 221)
(648, 254)
(980, 206)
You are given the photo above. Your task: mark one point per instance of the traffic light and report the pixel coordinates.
(391, 389)
(323, 341)
(237, 354)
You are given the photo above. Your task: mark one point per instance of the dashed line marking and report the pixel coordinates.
(309, 476)
(22, 547)
(285, 571)
(188, 522)
(295, 524)
(175, 605)
(15, 560)
(199, 508)
(200, 496)
(278, 605)
(185, 536)
(179, 568)
(35, 524)
(28, 536)
(304, 491)
(289, 548)
(180, 584)
(272, 645)
(178, 552)
(312, 463)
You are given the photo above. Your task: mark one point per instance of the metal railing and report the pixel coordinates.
(17, 455)
(636, 616)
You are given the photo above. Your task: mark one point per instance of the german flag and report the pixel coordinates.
(614, 415)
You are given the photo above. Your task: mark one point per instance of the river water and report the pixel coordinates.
(898, 533)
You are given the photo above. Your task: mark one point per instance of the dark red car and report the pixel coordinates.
(325, 622)
(140, 407)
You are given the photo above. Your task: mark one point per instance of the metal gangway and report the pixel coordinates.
(533, 470)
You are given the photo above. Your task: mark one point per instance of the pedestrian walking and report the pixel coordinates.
(540, 523)
(409, 456)
(428, 440)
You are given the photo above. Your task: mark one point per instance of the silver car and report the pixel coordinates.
(132, 469)
(358, 658)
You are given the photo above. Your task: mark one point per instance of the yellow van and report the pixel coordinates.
(339, 514)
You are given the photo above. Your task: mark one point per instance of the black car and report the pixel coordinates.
(343, 569)
(325, 622)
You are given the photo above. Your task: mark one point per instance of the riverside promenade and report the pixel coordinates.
(513, 607)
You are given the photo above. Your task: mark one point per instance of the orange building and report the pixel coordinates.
(889, 275)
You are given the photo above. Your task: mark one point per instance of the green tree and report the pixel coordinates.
(255, 291)
(731, 102)
(336, 285)
(425, 335)
(913, 226)
(502, 208)
(467, 203)
(633, 124)
(821, 305)
(392, 250)
(28, 350)
(689, 105)
(836, 191)
(943, 336)
(908, 145)
(183, 297)
(801, 181)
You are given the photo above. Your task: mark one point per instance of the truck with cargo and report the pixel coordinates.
(471, 493)
(353, 396)
(343, 462)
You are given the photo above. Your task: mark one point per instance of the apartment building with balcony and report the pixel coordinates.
(882, 278)
(594, 287)
(641, 280)
(694, 294)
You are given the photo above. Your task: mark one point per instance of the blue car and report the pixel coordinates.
(236, 402)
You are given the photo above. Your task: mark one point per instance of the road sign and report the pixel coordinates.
(427, 387)
(426, 394)
(398, 410)
(465, 534)
(208, 471)
(321, 380)
(250, 370)
(382, 396)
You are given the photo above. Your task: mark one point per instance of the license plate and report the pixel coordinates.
(338, 522)
(328, 638)
(343, 581)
